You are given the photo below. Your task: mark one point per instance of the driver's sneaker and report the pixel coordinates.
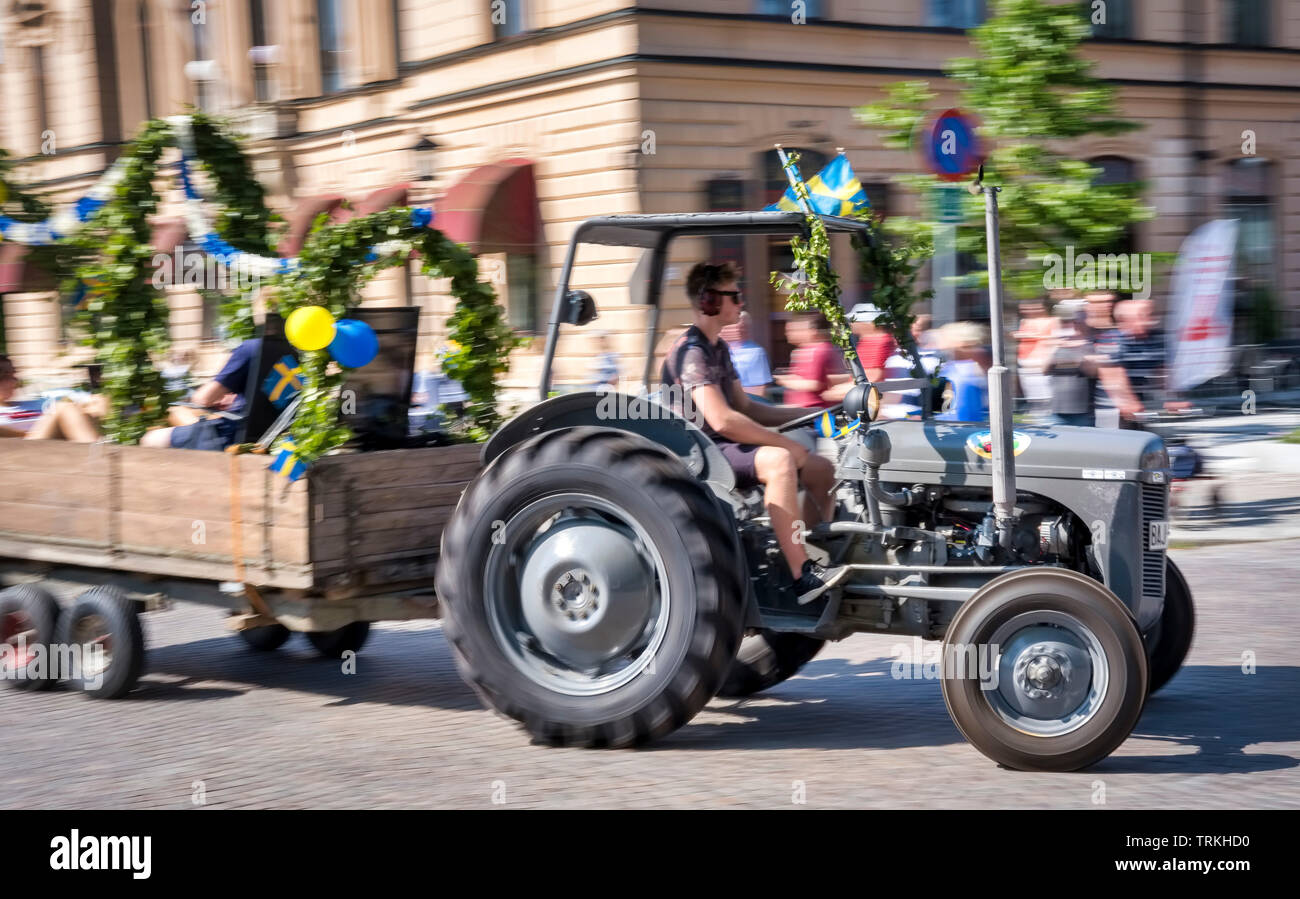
(816, 580)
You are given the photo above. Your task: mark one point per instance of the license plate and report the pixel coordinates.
(1158, 535)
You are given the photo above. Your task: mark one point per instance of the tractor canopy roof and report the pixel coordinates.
(655, 230)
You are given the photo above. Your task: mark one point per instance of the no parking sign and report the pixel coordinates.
(949, 145)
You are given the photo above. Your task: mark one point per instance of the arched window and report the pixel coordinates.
(766, 304)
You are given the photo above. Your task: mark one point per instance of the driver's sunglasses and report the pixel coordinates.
(734, 294)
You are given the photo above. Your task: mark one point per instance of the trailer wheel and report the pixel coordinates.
(266, 639)
(349, 638)
(29, 618)
(766, 659)
(1173, 637)
(105, 625)
(592, 588)
(1060, 672)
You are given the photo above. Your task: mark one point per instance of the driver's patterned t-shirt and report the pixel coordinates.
(694, 362)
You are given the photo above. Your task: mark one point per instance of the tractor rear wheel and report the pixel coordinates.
(591, 588)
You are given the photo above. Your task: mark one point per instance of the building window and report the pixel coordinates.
(956, 13)
(786, 9)
(200, 70)
(1116, 170)
(1248, 22)
(1247, 196)
(397, 34)
(146, 56)
(40, 89)
(262, 53)
(508, 18)
(329, 18)
(521, 291)
(1116, 19)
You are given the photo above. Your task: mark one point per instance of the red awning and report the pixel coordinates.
(301, 218)
(379, 200)
(17, 275)
(493, 209)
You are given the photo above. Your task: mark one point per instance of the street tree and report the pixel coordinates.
(1033, 93)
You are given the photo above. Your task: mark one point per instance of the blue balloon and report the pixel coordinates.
(355, 344)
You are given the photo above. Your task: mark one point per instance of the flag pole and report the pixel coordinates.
(795, 183)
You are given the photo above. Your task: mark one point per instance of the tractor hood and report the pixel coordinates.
(1061, 452)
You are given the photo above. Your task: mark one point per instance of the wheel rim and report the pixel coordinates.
(17, 629)
(92, 631)
(1052, 673)
(576, 594)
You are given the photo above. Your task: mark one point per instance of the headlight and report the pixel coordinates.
(873, 404)
(1155, 460)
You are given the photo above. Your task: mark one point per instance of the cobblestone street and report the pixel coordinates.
(214, 724)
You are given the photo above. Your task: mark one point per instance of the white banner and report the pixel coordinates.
(1200, 311)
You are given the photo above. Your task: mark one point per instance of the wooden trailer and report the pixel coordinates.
(354, 541)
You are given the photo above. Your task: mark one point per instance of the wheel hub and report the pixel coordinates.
(586, 592)
(1048, 679)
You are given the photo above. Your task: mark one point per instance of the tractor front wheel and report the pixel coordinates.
(1044, 670)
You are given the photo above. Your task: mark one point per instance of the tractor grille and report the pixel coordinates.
(1155, 499)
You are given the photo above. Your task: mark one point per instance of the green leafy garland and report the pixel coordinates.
(333, 267)
(126, 316)
(892, 266)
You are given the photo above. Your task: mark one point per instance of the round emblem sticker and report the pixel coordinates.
(981, 443)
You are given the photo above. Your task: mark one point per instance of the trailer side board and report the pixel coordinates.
(356, 522)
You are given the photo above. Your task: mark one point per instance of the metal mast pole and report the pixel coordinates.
(1004, 460)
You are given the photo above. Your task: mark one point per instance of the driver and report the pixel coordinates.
(699, 365)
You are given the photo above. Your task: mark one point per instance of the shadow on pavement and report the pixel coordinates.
(409, 668)
(831, 704)
(836, 704)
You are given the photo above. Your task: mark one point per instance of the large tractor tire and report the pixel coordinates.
(106, 627)
(1062, 672)
(1173, 637)
(29, 617)
(766, 659)
(592, 589)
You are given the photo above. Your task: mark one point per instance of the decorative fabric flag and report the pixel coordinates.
(283, 382)
(68, 221)
(286, 462)
(835, 190)
(826, 426)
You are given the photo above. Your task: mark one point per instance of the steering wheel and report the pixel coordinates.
(805, 420)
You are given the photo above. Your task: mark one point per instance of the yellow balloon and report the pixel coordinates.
(309, 328)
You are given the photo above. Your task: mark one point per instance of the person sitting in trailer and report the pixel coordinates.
(216, 406)
(73, 417)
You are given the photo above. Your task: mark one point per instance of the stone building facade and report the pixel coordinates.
(546, 112)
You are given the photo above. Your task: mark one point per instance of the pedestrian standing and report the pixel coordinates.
(749, 358)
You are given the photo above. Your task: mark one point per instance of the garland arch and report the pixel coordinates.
(126, 315)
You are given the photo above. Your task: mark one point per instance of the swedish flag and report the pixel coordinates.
(283, 382)
(835, 190)
(286, 462)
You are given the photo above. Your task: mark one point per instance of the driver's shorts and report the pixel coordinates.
(741, 457)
